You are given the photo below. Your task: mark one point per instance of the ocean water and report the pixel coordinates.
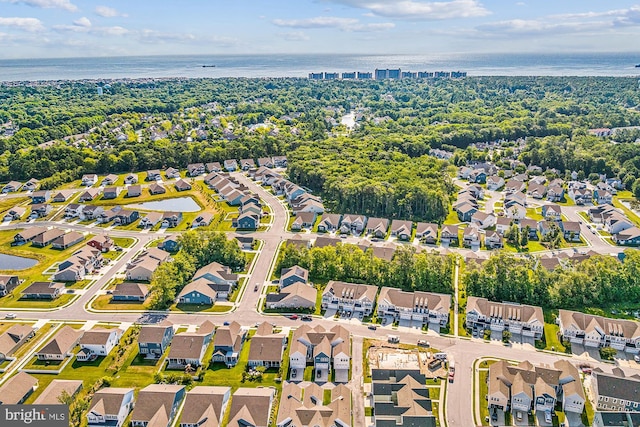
(580, 64)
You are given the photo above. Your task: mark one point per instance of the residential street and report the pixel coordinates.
(465, 351)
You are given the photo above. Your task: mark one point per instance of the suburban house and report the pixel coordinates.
(61, 345)
(131, 178)
(205, 406)
(514, 186)
(134, 190)
(213, 167)
(101, 242)
(596, 331)
(169, 244)
(89, 195)
(531, 225)
(503, 224)
(615, 392)
(267, 347)
(219, 277)
(425, 308)
(82, 262)
(471, 237)
(378, 227)
(150, 220)
(245, 242)
(129, 291)
(40, 210)
(349, 298)
(555, 193)
(89, 179)
(329, 222)
(449, 235)
(47, 237)
(27, 235)
(62, 196)
(493, 240)
(182, 185)
(515, 199)
(73, 210)
(303, 220)
(41, 196)
(54, 391)
(31, 185)
(195, 169)
(323, 349)
(570, 230)
(246, 164)
(615, 222)
(90, 213)
(110, 406)
(478, 176)
(202, 220)
(247, 221)
(154, 339)
(251, 407)
(98, 342)
(8, 284)
(401, 229)
(581, 196)
(427, 232)
(552, 212)
(483, 220)
(111, 193)
(303, 406)
(67, 240)
(523, 388)
(11, 187)
(230, 165)
(13, 338)
(188, 348)
(603, 193)
(14, 213)
(630, 237)
(198, 291)
(17, 389)
(172, 173)
(401, 398)
(525, 320)
(296, 296)
(43, 290)
(280, 161)
(153, 175)
(143, 267)
(156, 188)
(110, 179)
(466, 211)
(537, 191)
(495, 182)
(157, 404)
(353, 224)
(289, 276)
(171, 219)
(227, 344)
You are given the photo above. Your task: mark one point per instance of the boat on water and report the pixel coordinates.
(208, 66)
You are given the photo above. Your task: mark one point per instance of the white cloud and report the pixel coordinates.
(82, 22)
(26, 24)
(47, 4)
(294, 36)
(108, 12)
(416, 10)
(343, 24)
(112, 31)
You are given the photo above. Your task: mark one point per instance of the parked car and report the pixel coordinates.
(293, 317)
(373, 327)
(423, 343)
(10, 316)
(255, 288)
(306, 318)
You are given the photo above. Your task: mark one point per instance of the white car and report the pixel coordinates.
(636, 358)
(10, 316)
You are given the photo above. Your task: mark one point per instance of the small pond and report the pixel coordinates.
(179, 204)
(12, 262)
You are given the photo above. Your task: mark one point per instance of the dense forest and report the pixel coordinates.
(381, 168)
(598, 281)
(407, 270)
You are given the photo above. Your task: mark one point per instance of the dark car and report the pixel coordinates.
(373, 327)
(306, 318)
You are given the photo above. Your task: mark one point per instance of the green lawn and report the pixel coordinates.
(201, 308)
(628, 212)
(535, 213)
(584, 216)
(551, 338)
(462, 331)
(452, 218)
(484, 390)
(6, 204)
(103, 302)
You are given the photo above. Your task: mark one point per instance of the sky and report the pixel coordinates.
(80, 28)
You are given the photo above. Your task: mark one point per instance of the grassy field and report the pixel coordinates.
(452, 218)
(103, 302)
(6, 204)
(535, 213)
(201, 308)
(551, 338)
(628, 212)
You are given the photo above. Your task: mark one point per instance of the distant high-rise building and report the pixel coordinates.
(349, 75)
(409, 74)
(363, 75)
(425, 75)
(381, 74)
(331, 76)
(394, 74)
(316, 76)
(100, 91)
